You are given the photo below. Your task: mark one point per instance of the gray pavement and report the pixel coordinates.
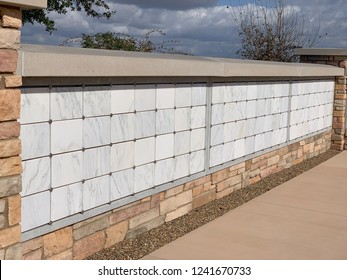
(304, 218)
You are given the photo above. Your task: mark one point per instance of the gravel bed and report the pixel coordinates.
(152, 240)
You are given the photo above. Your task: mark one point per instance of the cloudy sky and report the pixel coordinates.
(200, 27)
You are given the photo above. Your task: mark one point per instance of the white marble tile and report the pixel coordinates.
(267, 122)
(96, 192)
(198, 118)
(229, 93)
(240, 91)
(252, 91)
(183, 95)
(260, 107)
(122, 127)
(284, 104)
(122, 99)
(250, 127)
(66, 103)
(249, 145)
(122, 184)
(217, 134)
(122, 156)
(218, 92)
(258, 142)
(66, 169)
(295, 101)
(182, 119)
(96, 131)
(145, 97)
(164, 171)
(144, 177)
(261, 90)
(259, 125)
(216, 155)
(35, 210)
(66, 201)
(182, 142)
(276, 122)
(97, 101)
(165, 121)
(36, 176)
(276, 105)
(165, 96)
(197, 139)
(96, 162)
(217, 114)
(34, 105)
(164, 146)
(240, 148)
(284, 120)
(267, 140)
(197, 162)
(66, 136)
(241, 110)
(228, 132)
(251, 109)
(181, 166)
(239, 129)
(268, 107)
(144, 124)
(35, 140)
(199, 93)
(229, 112)
(228, 152)
(144, 151)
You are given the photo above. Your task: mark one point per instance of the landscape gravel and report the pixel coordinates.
(145, 243)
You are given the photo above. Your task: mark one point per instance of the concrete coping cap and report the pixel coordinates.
(57, 61)
(26, 4)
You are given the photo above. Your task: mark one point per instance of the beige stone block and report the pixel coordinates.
(57, 242)
(198, 190)
(273, 160)
(11, 12)
(128, 213)
(168, 205)
(9, 39)
(14, 252)
(14, 210)
(145, 227)
(89, 245)
(10, 166)
(116, 233)
(91, 228)
(9, 130)
(12, 81)
(178, 212)
(238, 166)
(224, 192)
(10, 185)
(220, 176)
(33, 255)
(2, 205)
(9, 236)
(2, 222)
(204, 198)
(155, 199)
(10, 147)
(202, 180)
(66, 255)
(11, 22)
(174, 191)
(8, 60)
(254, 180)
(254, 173)
(184, 198)
(2, 254)
(32, 245)
(9, 104)
(143, 218)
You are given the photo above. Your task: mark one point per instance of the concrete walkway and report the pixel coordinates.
(305, 218)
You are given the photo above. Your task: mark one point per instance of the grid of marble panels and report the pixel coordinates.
(247, 118)
(86, 147)
(311, 107)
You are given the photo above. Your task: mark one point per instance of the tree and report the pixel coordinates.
(93, 8)
(271, 30)
(124, 42)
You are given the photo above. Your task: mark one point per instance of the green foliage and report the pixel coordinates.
(90, 7)
(124, 42)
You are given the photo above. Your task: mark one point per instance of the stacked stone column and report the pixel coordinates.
(10, 146)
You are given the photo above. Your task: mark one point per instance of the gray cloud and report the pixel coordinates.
(169, 4)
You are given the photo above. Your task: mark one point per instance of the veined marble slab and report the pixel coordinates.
(197, 162)
(36, 176)
(144, 151)
(96, 162)
(197, 139)
(165, 96)
(182, 119)
(122, 99)
(122, 156)
(144, 177)
(122, 184)
(182, 142)
(199, 92)
(96, 192)
(144, 124)
(66, 103)
(144, 97)
(34, 105)
(35, 140)
(66, 201)
(96, 131)
(183, 95)
(181, 166)
(164, 171)
(198, 117)
(97, 101)
(122, 127)
(165, 121)
(164, 146)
